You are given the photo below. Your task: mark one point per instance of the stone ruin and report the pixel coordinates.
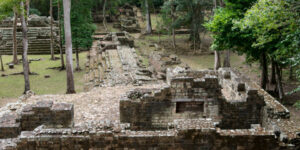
(113, 60)
(38, 36)
(128, 19)
(206, 110)
(160, 61)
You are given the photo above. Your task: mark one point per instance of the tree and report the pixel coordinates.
(168, 15)
(15, 42)
(82, 27)
(60, 37)
(104, 15)
(148, 18)
(173, 9)
(51, 30)
(27, 7)
(271, 22)
(68, 42)
(225, 36)
(217, 53)
(25, 48)
(6, 8)
(1, 61)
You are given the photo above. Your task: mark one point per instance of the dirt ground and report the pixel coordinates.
(99, 104)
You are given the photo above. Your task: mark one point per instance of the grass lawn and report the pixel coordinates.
(12, 86)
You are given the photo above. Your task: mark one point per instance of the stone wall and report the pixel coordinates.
(31, 116)
(113, 61)
(201, 136)
(38, 36)
(127, 19)
(243, 105)
(184, 98)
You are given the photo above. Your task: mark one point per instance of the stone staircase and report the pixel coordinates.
(39, 34)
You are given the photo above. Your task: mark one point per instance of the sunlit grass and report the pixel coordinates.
(12, 86)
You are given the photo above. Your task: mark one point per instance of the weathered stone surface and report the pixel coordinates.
(113, 61)
(29, 117)
(38, 36)
(197, 110)
(159, 63)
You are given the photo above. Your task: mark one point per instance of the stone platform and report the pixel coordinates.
(113, 61)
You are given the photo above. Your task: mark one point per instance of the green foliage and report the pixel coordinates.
(239, 6)
(35, 11)
(42, 5)
(297, 104)
(166, 24)
(7, 7)
(81, 23)
(189, 13)
(225, 35)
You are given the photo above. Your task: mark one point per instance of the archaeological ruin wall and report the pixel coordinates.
(113, 61)
(39, 36)
(196, 110)
(128, 19)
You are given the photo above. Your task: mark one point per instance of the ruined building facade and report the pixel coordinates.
(205, 110)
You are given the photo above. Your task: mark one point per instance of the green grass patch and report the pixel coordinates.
(12, 86)
(207, 61)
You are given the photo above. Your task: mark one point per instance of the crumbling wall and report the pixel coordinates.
(113, 60)
(243, 105)
(184, 98)
(31, 116)
(127, 19)
(178, 139)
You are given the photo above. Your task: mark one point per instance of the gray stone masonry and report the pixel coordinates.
(38, 36)
(46, 113)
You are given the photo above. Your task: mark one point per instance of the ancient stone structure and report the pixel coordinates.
(113, 60)
(206, 110)
(127, 19)
(38, 36)
(159, 62)
(29, 117)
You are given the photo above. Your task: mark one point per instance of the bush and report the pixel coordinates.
(297, 104)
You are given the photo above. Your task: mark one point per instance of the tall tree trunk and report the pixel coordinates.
(69, 51)
(291, 70)
(25, 50)
(1, 61)
(148, 18)
(264, 72)
(217, 53)
(62, 61)
(217, 60)
(273, 73)
(104, 15)
(27, 10)
(173, 28)
(77, 60)
(51, 30)
(226, 62)
(15, 42)
(278, 81)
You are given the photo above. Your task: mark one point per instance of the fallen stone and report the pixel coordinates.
(11, 66)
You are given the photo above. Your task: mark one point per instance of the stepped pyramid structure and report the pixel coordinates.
(38, 36)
